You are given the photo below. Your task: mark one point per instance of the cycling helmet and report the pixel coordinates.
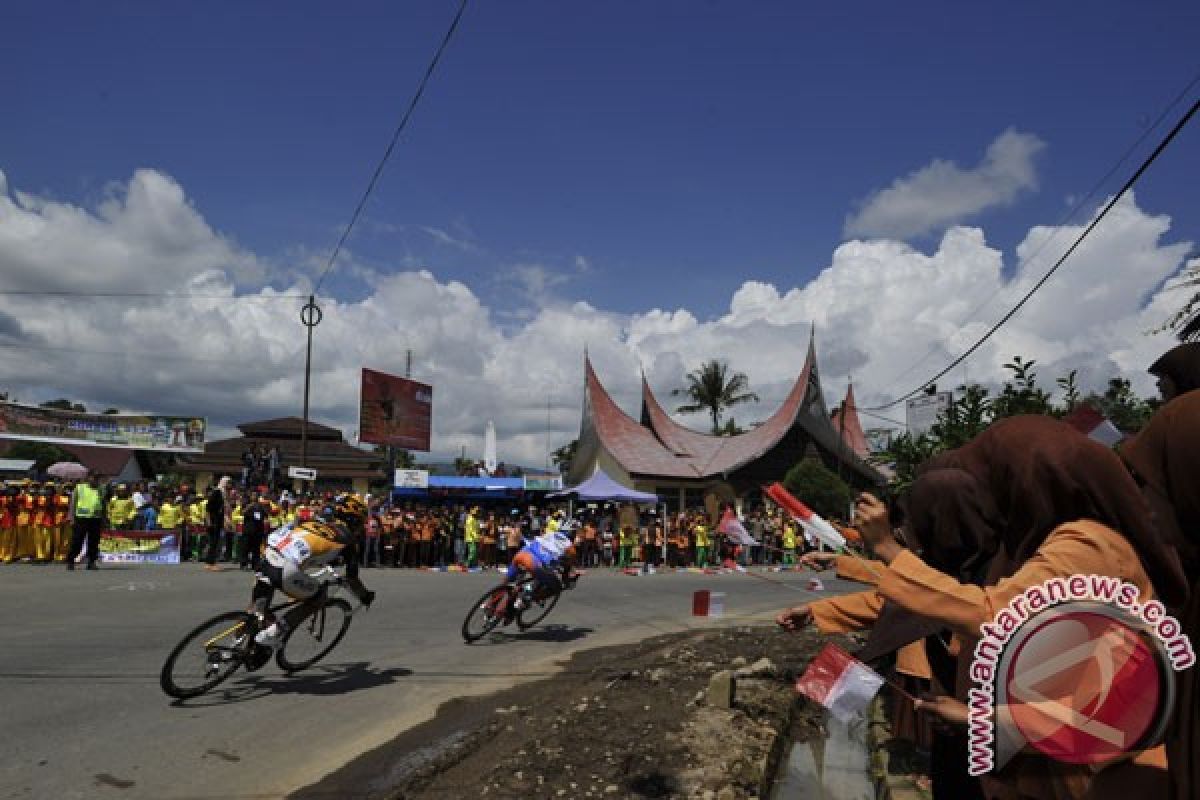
(350, 508)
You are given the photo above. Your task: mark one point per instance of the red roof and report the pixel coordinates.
(666, 448)
(849, 425)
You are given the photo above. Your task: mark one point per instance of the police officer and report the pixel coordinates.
(87, 513)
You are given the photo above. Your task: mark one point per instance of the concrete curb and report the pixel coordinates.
(887, 785)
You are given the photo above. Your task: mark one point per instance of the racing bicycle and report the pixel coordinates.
(522, 601)
(214, 650)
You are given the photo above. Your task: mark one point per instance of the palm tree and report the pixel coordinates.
(711, 388)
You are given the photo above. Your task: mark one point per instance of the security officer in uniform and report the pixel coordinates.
(87, 512)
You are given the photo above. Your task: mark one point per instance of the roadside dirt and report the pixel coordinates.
(631, 721)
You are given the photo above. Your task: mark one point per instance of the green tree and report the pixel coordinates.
(1070, 391)
(968, 416)
(819, 489)
(63, 404)
(713, 389)
(1124, 408)
(42, 453)
(565, 455)
(906, 455)
(1021, 395)
(731, 428)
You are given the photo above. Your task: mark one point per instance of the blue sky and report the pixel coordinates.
(634, 155)
(677, 147)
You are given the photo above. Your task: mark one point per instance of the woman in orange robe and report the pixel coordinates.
(1070, 508)
(1165, 459)
(25, 546)
(8, 524)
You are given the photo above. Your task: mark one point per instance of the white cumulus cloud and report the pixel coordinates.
(237, 353)
(942, 193)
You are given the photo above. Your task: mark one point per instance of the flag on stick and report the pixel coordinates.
(840, 682)
(814, 524)
(732, 527)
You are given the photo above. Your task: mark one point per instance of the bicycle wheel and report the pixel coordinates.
(536, 611)
(311, 640)
(208, 655)
(486, 614)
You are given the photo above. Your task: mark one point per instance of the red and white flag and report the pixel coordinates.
(814, 524)
(732, 527)
(840, 682)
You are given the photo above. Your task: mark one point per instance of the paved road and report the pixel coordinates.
(82, 716)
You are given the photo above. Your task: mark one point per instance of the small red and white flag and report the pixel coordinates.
(814, 524)
(732, 527)
(840, 682)
(1086, 419)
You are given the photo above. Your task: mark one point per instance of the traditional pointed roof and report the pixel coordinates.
(845, 420)
(661, 447)
(713, 455)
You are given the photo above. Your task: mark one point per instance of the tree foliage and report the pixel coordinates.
(63, 404)
(819, 489)
(42, 453)
(1126, 410)
(713, 389)
(973, 411)
(565, 455)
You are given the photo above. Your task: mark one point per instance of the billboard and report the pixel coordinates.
(138, 432)
(394, 411)
(922, 411)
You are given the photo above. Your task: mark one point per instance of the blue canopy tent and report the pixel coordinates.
(600, 487)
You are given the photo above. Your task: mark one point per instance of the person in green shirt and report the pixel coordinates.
(700, 531)
(472, 535)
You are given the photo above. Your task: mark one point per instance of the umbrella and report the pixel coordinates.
(67, 470)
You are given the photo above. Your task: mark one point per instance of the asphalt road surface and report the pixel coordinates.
(82, 715)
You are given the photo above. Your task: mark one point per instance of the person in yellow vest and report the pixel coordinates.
(277, 517)
(195, 525)
(629, 537)
(170, 514)
(471, 535)
(236, 543)
(700, 531)
(8, 524)
(26, 508)
(120, 509)
(62, 527)
(43, 525)
(789, 543)
(555, 521)
(87, 517)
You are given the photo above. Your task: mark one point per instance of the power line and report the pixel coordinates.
(1074, 210)
(1078, 241)
(392, 145)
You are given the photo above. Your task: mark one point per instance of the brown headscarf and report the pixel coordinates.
(954, 522)
(1043, 473)
(1166, 458)
(1182, 365)
(955, 525)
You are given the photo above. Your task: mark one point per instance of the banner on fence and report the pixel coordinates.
(140, 547)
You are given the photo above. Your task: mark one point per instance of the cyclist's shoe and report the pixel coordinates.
(270, 638)
(259, 656)
(367, 598)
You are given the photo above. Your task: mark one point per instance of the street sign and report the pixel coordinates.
(411, 479)
(302, 473)
(923, 411)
